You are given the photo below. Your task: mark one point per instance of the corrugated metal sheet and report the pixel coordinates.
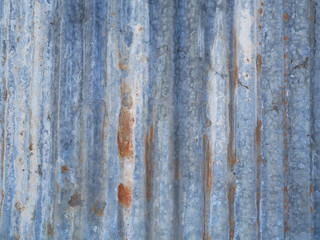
(171, 119)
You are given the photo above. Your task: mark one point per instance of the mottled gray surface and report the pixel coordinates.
(160, 119)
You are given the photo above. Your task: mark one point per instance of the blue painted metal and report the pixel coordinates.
(184, 119)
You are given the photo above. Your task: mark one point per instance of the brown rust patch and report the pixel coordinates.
(231, 221)
(122, 66)
(285, 17)
(18, 205)
(259, 63)
(64, 169)
(260, 11)
(99, 207)
(30, 146)
(285, 38)
(148, 144)
(126, 121)
(75, 200)
(124, 195)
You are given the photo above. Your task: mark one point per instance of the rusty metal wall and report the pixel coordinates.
(160, 119)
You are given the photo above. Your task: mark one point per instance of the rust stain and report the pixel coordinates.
(99, 207)
(126, 120)
(5, 95)
(122, 66)
(64, 168)
(148, 162)
(260, 10)
(285, 38)
(75, 200)
(285, 17)
(18, 205)
(259, 63)
(30, 146)
(231, 158)
(231, 221)
(311, 189)
(124, 195)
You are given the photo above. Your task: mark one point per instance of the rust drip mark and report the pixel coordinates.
(208, 163)
(5, 95)
(231, 221)
(64, 169)
(148, 143)
(124, 195)
(285, 17)
(235, 61)
(259, 63)
(231, 158)
(99, 207)
(311, 189)
(207, 184)
(30, 146)
(126, 121)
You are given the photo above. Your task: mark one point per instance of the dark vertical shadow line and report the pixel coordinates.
(233, 78)
(177, 75)
(314, 86)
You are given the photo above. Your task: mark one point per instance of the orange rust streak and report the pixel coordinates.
(126, 120)
(285, 17)
(124, 195)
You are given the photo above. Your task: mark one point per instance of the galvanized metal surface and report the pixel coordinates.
(185, 119)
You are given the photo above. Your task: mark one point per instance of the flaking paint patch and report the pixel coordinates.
(124, 195)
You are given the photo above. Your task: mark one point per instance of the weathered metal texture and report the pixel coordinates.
(171, 119)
